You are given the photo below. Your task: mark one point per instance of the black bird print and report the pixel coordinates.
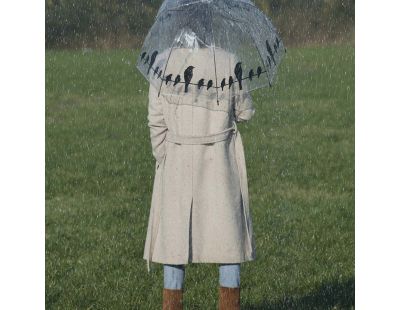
(143, 55)
(152, 60)
(188, 75)
(200, 83)
(269, 49)
(251, 74)
(269, 60)
(209, 84)
(159, 74)
(259, 71)
(223, 84)
(230, 82)
(275, 47)
(177, 79)
(147, 59)
(168, 78)
(238, 73)
(156, 70)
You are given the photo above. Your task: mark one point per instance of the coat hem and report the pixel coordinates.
(201, 261)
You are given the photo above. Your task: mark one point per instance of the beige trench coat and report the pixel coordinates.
(199, 181)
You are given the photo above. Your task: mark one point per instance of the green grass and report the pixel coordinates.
(99, 175)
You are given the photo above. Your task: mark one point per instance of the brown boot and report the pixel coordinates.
(229, 298)
(172, 299)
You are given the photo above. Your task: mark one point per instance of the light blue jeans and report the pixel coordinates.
(174, 275)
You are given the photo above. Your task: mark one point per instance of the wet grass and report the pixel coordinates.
(99, 176)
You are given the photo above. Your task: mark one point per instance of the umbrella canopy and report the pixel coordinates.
(209, 47)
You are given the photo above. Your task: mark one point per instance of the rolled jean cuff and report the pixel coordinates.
(229, 275)
(174, 276)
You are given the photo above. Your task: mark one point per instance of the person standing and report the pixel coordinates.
(200, 202)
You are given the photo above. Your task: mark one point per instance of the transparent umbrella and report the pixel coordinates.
(210, 48)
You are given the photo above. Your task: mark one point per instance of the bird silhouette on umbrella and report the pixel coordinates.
(188, 73)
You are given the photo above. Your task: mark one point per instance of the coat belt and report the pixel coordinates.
(239, 153)
(216, 137)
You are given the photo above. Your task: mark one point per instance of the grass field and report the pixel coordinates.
(99, 175)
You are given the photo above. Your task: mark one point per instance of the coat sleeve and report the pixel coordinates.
(242, 101)
(157, 125)
(244, 109)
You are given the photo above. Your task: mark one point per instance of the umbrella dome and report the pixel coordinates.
(212, 30)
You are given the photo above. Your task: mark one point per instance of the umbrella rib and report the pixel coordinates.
(177, 8)
(262, 59)
(213, 46)
(166, 64)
